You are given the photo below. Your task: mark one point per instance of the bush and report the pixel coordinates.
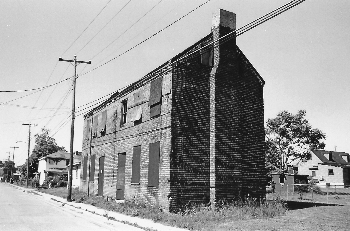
(35, 183)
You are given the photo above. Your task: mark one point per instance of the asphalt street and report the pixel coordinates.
(23, 210)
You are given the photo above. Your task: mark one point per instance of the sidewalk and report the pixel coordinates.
(142, 223)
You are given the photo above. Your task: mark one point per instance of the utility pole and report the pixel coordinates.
(13, 154)
(9, 166)
(13, 160)
(69, 197)
(28, 152)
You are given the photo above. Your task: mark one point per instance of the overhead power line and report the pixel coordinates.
(129, 40)
(128, 28)
(143, 41)
(42, 88)
(22, 121)
(63, 99)
(86, 27)
(61, 124)
(99, 99)
(54, 89)
(28, 107)
(104, 26)
(235, 33)
(39, 88)
(222, 39)
(60, 105)
(2, 103)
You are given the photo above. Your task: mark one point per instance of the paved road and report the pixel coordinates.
(25, 211)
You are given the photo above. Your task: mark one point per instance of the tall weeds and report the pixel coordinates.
(200, 217)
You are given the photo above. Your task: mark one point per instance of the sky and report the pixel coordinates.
(302, 54)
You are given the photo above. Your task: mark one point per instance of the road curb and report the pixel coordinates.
(110, 215)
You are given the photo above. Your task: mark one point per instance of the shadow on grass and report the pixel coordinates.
(293, 205)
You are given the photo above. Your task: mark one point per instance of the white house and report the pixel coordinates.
(76, 171)
(327, 167)
(52, 165)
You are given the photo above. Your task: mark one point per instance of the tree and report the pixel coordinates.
(290, 138)
(23, 168)
(44, 145)
(8, 168)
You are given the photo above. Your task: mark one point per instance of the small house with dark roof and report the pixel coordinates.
(191, 131)
(327, 168)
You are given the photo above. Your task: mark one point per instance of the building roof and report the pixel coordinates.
(337, 157)
(58, 155)
(63, 171)
(76, 159)
(164, 68)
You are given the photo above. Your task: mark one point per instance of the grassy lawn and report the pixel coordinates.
(321, 195)
(315, 218)
(199, 218)
(272, 216)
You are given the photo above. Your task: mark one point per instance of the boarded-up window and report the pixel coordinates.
(156, 91)
(155, 110)
(103, 125)
(88, 129)
(124, 111)
(92, 168)
(94, 126)
(121, 176)
(155, 99)
(135, 178)
(84, 167)
(153, 165)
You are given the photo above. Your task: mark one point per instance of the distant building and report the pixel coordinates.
(76, 171)
(7, 169)
(327, 168)
(282, 182)
(52, 165)
(191, 131)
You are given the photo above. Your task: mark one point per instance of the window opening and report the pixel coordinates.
(124, 111)
(330, 172)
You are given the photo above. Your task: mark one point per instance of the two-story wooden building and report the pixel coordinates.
(191, 131)
(53, 165)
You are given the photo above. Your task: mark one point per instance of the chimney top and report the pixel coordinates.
(225, 19)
